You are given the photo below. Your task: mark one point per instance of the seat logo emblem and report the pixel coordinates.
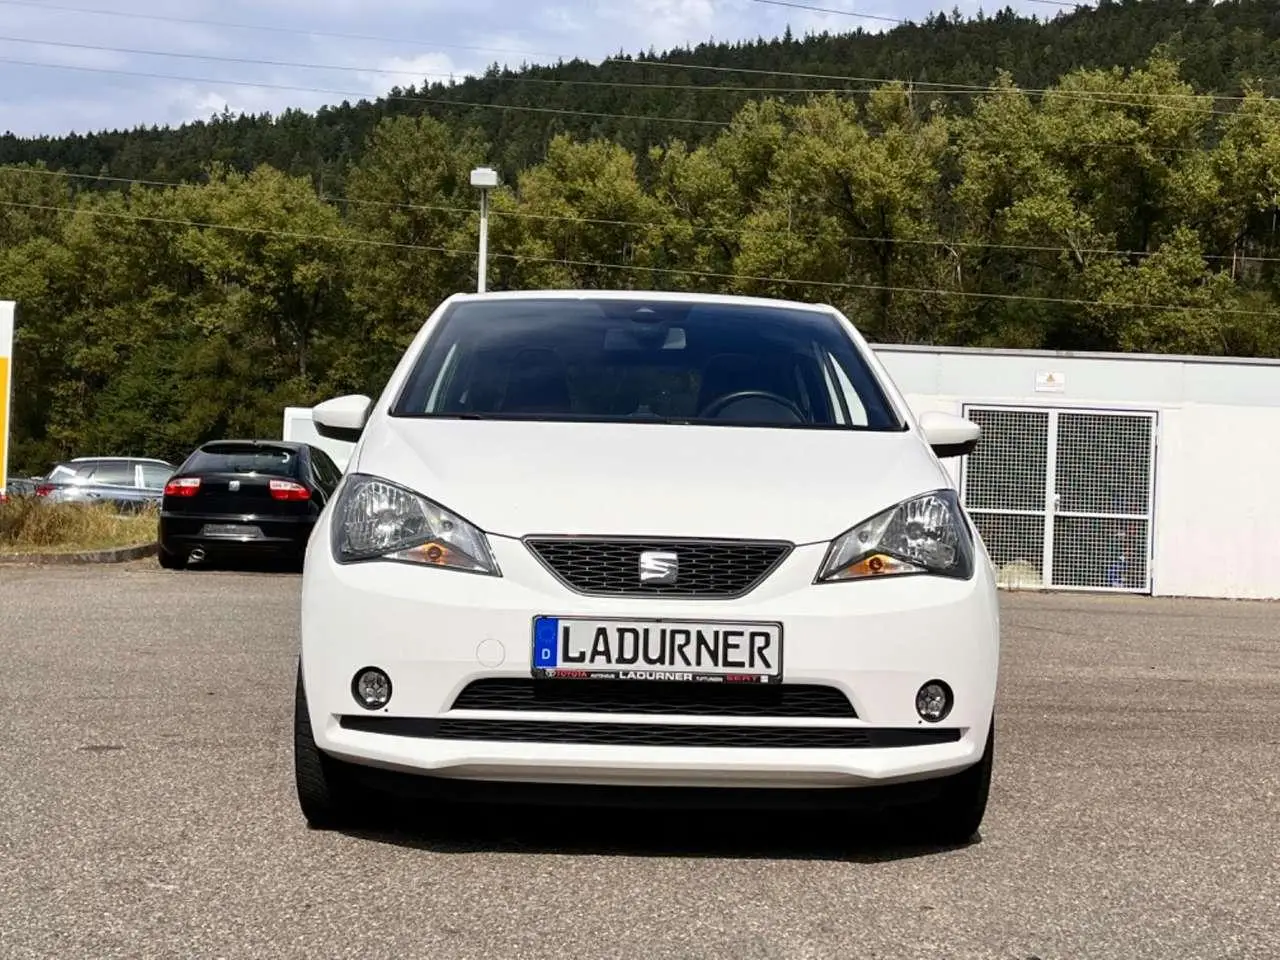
(233, 486)
(658, 567)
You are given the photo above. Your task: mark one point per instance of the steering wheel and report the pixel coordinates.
(718, 404)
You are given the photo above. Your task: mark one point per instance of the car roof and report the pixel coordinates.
(165, 463)
(660, 296)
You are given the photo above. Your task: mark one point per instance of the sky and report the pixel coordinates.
(65, 67)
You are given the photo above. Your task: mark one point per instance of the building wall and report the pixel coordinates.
(299, 426)
(1217, 510)
(1216, 529)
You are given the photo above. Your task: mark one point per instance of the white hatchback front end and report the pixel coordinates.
(523, 581)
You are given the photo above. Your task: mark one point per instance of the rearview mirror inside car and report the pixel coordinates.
(949, 435)
(342, 418)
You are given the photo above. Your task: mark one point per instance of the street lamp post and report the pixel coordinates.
(484, 179)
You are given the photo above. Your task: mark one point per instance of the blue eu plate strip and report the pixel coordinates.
(546, 630)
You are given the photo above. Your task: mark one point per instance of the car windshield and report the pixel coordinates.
(634, 360)
(228, 458)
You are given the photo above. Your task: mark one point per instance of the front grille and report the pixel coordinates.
(656, 698)
(651, 734)
(707, 569)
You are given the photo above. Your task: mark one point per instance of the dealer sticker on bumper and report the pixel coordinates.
(565, 648)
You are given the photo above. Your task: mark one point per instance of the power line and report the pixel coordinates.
(348, 68)
(440, 101)
(938, 86)
(181, 55)
(922, 291)
(704, 274)
(757, 71)
(843, 13)
(327, 198)
(227, 24)
(949, 244)
(266, 28)
(230, 227)
(1087, 96)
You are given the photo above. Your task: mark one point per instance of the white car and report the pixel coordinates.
(607, 541)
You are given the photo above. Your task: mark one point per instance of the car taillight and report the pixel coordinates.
(182, 487)
(288, 490)
(44, 489)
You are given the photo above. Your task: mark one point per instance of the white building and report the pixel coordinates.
(1139, 473)
(1120, 472)
(299, 426)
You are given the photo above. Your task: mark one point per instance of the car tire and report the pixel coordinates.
(171, 561)
(325, 791)
(953, 818)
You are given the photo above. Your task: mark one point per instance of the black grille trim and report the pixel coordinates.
(651, 734)
(656, 698)
(610, 566)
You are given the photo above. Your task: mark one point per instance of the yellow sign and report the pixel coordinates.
(6, 386)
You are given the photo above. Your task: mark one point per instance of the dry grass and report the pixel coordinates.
(29, 525)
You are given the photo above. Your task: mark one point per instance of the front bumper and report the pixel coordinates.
(436, 631)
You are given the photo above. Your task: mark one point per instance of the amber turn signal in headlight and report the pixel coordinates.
(927, 534)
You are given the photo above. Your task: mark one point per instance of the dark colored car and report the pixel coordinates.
(244, 497)
(18, 487)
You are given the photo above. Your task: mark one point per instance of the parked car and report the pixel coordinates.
(127, 482)
(244, 496)
(17, 487)
(622, 540)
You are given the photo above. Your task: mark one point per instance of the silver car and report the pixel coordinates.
(127, 482)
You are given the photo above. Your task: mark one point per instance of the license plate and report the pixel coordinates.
(239, 530)
(568, 648)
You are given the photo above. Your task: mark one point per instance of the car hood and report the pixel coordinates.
(519, 478)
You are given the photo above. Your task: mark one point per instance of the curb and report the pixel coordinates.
(117, 555)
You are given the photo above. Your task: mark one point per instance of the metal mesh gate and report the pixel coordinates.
(1063, 498)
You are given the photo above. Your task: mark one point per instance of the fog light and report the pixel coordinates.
(933, 701)
(371, 688)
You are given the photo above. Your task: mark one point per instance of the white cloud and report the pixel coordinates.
(187, 102)
(406, 71)
(664, 23)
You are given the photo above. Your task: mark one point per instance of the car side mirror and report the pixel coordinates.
(342, 418)
(949, 435)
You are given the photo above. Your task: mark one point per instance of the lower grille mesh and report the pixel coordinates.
(656, 698)
(651, 734)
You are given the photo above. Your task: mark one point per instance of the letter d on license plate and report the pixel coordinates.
(570, 648)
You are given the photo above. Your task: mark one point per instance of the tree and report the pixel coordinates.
(851, 205)
(411, 204)
(584, 220)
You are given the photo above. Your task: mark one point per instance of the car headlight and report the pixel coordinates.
(375, 519)
(927, 534)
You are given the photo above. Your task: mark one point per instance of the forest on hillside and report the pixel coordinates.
(642, 99)
(1111, 209)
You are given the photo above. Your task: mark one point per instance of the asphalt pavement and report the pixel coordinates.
(147, 807)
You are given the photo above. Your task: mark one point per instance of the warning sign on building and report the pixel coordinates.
(1050, 382)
